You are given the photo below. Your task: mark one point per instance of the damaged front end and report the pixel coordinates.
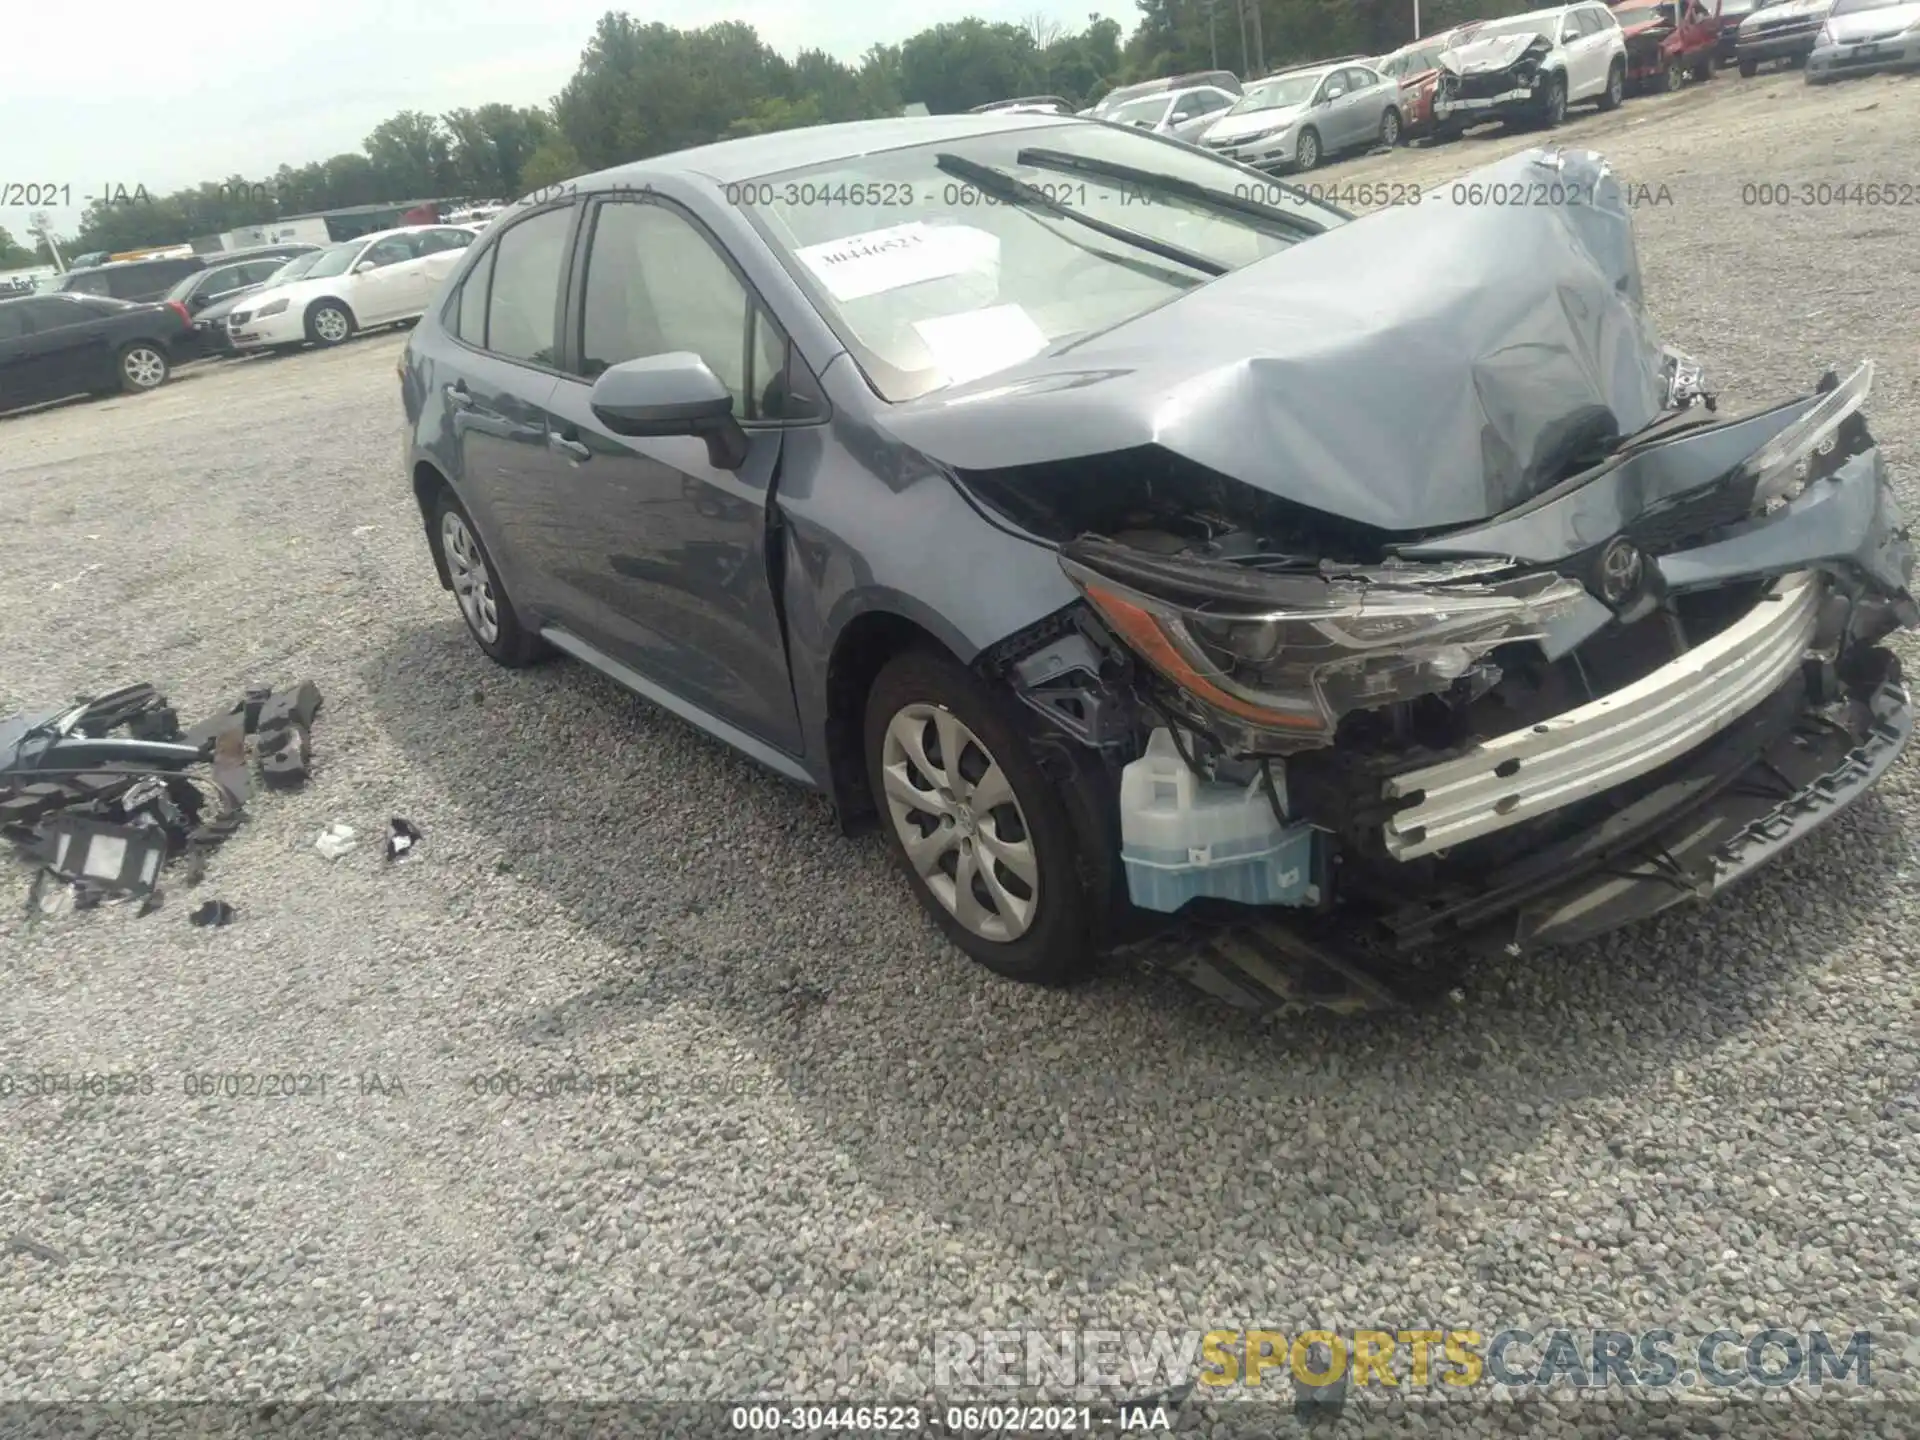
(1623, 693)
(1500, 77)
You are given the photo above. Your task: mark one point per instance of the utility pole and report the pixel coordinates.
(1213, 37)
(41, 224)
(1259, 44)
(1246, 50)
(1416, 19)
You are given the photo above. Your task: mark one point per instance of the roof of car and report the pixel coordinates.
(748, 158)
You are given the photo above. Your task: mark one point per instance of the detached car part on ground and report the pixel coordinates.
(1861, 37)
(1301, 624)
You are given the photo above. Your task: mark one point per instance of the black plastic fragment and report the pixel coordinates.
(297, 706)
(98, 855)
(285, 753)
(252, 703)
(151, 902)
(403, 837)
(212, 912)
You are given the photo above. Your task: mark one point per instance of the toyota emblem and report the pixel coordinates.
(1620, 569)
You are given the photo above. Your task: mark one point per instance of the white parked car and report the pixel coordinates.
(1527, 69)
(1184, 114)
(380, 279)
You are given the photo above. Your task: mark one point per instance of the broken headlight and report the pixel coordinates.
(1781, 467)
(1327, 646)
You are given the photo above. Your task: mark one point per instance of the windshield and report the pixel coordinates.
(1140, 112)
(294, 268)
(1636, 15)
(334, 260)
(1282, 90)
(1408, 62)
(1854, 7)
(935, 280)
(1497, 28)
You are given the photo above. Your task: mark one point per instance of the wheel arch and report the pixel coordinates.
(860, 651)
(428, 482)
(319, 300)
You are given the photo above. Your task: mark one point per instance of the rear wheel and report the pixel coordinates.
(484, 605)
(1616, 90)
(1390, 128)
(1672, 78)
(1703, 68)
(970, 818)
(143, 367)
(1749, 69)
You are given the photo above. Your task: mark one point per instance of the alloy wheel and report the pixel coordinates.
(472, 583)
(330, 325)
(959, 822)
(1308, 154)
(144, 367)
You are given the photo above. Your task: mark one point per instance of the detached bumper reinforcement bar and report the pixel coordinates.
(1619, 737)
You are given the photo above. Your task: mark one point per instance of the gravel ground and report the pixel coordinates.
(848, 1138)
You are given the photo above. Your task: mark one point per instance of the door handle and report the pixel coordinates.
(568, 446)
(458, 397)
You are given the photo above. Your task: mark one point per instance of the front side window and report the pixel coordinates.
(1148, 112)
(655, 285)
(390, 251)
(931, 280)
(1280, 93)
(526, 287)
(433, 242)
(335, 260)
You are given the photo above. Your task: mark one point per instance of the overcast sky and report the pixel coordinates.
(125, 92)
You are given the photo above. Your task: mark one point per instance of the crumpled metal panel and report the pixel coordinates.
(1423, 366)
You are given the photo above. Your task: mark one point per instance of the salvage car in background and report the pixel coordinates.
(1122, 94)
(1732, 12)
(1786, 32)
(205, 290)
(1068, 539)
(1862, 36)
(1295, 118)
(1183, 114)
(210, 325)
(1528, 69)
(380, 279)
(1416, 69)
(53, 346)
(136, 280)
(1668, 41)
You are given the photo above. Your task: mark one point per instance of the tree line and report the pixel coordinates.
(645, 89)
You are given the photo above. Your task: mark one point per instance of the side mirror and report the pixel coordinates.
(672, 394)
(1335, 93)
(364, 266)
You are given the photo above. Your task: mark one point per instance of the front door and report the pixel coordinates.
(384, 292)
(677, 547)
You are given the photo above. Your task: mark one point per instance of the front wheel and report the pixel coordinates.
(328, 323)
(1703, 69)
(970, 818)
(1672, 78)
(1390, 128)
(143, 367)
(1616, 90)
(1749, 69)
(1554, 111)
(1306, 154)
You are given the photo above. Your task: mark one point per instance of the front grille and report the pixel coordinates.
(1784, 29)
(1485, 87)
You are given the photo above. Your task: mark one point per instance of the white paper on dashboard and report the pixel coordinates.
(856, 266)
(979, 342)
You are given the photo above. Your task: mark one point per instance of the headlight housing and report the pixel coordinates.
(1291, 661)
(1781, 467)
(272, 307)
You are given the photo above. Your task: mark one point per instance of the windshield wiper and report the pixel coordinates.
(1043, 159)
(1016, 191)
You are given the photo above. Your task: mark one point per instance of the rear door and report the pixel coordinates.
(21, 381)
(496, 383)
(677, 546)
(437, 253)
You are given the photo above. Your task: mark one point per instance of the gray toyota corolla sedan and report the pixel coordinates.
(1162, 559)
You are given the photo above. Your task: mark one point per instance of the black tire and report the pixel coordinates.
(1703, 69)
(1795, 62)
(1390, 128)
(328, 333)
(1616, 91)
(512, 644)
(1058, 944)
(142, 366)
(1672, 78)
(1749, 69)
(1306, 151)
(1553, 109)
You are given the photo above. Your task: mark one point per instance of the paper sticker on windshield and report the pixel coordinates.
(979, 342)
(856, 266)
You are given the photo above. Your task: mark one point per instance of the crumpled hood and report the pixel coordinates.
(1255, 122)
(1420, 367)
(1480, 57)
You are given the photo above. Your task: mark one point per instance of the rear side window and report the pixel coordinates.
(470, 320)
(93, 282)
(48, 313)
(526, 287)
(432, 242)
(13, 321)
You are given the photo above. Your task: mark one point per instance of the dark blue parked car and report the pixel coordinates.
(1139, 541)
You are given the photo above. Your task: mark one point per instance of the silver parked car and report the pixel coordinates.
(1865, 35)
(1185, 114)
(1295, 118)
